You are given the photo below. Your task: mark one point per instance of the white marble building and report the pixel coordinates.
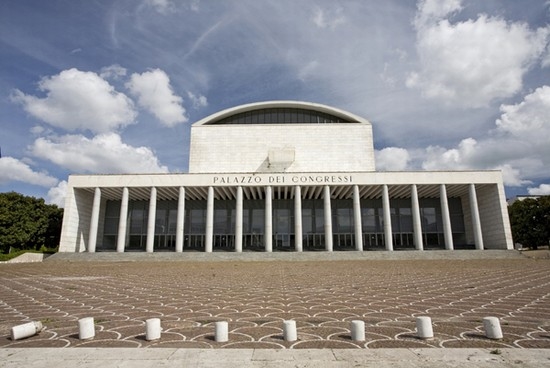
(285, 176)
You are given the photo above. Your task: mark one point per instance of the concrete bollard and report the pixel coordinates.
(424, 328)
(152, 329)
(492, 328)
(358, 330)
(222, 331)
(289, 331)
(86, 328)
(26, 330)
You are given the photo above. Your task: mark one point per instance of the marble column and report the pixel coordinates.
(328, 219)
(298, 219)
(180, 220)
(416, 220)
(94, 221)
(239, 220)
(388, 235)
(358, 226)
(476, 222)
(446, 218)
(122, 222)
(268, 232)
(151, 220)
(209, 236)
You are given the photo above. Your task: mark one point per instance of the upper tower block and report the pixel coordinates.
(281, 136)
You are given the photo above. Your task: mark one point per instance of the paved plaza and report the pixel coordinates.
(255, 297)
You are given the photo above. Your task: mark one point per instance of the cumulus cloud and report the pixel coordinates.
(77, 100)
(392, 159)
(56, 195)
(154, 93)
(104, 153)
(543, 189)
(12, 169)
(529, 119)
(518, 146)
(439, 158)
(473, 62)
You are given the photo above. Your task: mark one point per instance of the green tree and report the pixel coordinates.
(530, 221)
(28, 222)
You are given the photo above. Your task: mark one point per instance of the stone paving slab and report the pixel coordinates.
(323, 297)
(251, 358)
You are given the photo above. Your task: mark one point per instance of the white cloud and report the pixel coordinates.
(154, 93)
(12, 169)
(430, 11)
(105, 153)
(512, 176)
(198, 101)
(439, 158)
(114, 71)
(473, 62)
(56, 195)
(529, 119)
(392, 159)
(77, 100)
(518, 146)
(543, 189)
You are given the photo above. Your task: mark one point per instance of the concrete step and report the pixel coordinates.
(220, 256)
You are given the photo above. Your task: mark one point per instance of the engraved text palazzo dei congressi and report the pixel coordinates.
(282, 179)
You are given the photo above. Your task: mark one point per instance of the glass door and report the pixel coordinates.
(282, 229)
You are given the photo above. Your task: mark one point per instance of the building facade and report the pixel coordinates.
(285, 176)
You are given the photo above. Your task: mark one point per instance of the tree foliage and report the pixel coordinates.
(28, 222)
(530, 221)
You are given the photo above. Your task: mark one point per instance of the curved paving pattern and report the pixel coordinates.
(255, 297)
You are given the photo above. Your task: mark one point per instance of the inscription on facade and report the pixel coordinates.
(282, 179)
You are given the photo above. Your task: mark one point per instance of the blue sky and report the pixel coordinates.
(113, 86)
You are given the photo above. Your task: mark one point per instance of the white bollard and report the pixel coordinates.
(358, 330)
(222, 332)
(86, 328)
(492, 328)
(26, 330)
(424, 328)
(289, 331)
(152, 329)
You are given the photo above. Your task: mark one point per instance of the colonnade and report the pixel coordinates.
(268, 228)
